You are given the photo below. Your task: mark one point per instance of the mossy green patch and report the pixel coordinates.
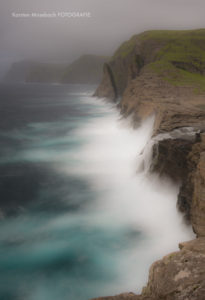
(164, 35)
(181, 58)
(178, 56)
(126, 48)
(178, 77)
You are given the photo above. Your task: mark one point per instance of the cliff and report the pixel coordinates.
(87, 69)
(30, 71)
(17, 72)
(163, 73)
(45, 73)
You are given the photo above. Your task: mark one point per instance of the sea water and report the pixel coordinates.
(80, 216)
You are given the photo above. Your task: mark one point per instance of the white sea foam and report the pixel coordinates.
(128, 195)
(114, 159)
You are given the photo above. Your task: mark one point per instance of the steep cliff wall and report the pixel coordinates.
(178, 57)
(169, 82)
(86, 70)
(30, 71)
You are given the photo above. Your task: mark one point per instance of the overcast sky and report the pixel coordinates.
(111, 22)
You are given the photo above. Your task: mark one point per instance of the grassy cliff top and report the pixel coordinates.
(171, 34)
(126, 48)
(178, 56)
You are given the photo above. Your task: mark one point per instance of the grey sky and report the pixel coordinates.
(111, 22)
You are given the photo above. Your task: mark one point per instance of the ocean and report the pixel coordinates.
(80, 216)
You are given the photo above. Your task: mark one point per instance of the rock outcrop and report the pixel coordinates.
(179, 275)
(164, 75)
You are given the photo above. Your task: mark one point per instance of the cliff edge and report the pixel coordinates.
(163, 73)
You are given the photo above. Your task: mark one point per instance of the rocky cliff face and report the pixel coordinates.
(179, 276)
(164, 75)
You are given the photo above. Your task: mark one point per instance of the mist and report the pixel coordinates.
(128, 196)
(66, 38)
(124, 218)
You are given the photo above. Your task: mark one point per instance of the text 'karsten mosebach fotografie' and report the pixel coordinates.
(60, 14)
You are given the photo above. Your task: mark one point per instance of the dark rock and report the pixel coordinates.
(170, 158)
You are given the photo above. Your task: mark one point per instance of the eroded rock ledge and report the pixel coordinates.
(162, 73)
(179, 275)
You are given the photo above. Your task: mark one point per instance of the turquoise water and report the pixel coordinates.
(77, 219)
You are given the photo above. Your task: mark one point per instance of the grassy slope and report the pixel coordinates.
(180, 59)
(126, 48)
(184, 47)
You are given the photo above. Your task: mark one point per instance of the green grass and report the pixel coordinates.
(126, 48)
(171, 34)
(178, 77)
(181, 57)
(177, 56)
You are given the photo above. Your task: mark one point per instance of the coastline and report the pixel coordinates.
(178, 107)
